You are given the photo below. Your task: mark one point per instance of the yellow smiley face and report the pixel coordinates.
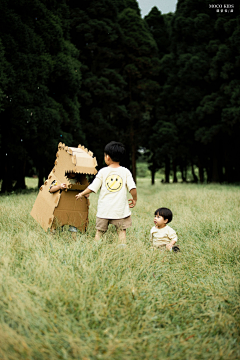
(114, 183)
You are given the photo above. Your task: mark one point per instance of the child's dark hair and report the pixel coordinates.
(115, 150)
(165, 213)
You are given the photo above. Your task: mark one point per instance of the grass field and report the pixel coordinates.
(65, 299)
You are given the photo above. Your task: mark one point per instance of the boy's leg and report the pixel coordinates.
(73, 231)
(101, 226)
(98, 235)
(74, 236)
(121, 236)
(121, 226)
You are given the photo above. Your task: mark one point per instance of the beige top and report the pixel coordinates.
(162, 236)
(114, 184)
(73, 181)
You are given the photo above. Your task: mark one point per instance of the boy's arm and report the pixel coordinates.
(170, 245)
(173, 238)
(131, 185)
(93, 187)
(83, 193)
(55, 188)
(133, 201)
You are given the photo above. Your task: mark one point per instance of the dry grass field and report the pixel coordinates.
(66, 299)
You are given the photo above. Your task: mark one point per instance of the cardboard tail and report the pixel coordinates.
(44, 206)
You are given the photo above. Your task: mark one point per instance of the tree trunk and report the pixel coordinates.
(215, 173)
(183, 173)
(167, 170)
(229, 172)
(20, 173)
(220, 169)
(200, 171)
(228, 166)
(40, 176)
(209, 174)
(132, 137)
(153, 176)
(195, 178)
(6, 181)
(153, 170)
(175, 180)
(134, 170)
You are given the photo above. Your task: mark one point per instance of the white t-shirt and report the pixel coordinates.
(162, 236)
(114, 184)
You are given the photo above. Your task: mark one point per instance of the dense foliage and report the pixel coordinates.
(94, 71)
(41, 82)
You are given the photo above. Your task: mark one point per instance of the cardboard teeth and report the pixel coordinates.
(61, 208)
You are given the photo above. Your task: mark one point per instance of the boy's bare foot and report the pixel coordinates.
(73, 231)
(98, 235)
(122, 236)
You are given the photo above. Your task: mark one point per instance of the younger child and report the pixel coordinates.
(72, 177)
(114, 181)
(163, 236)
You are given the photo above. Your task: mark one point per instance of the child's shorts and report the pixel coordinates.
(120, 224)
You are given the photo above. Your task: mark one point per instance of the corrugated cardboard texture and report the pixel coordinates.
(77, 160)
(62, 208)
(71, 211)
(44, 206)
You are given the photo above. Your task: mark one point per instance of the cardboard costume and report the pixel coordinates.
(62, 208)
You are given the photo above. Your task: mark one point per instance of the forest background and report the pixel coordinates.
(89, 72)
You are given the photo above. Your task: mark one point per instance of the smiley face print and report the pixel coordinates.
(114, 183)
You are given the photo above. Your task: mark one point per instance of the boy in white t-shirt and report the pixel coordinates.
(114, 181)
(163, 236)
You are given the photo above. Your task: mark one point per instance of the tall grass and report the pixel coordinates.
(66, 299)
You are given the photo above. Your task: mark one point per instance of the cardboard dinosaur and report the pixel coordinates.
(61, 208)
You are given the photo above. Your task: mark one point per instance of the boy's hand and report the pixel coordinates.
(84, 193)
(79, 196)
(63, 186)
(132, 202)
(169, 247)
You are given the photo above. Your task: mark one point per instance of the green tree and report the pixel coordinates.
(162, 140)
(96, 33)
(119, 60)
(5, 78)
(198, 97)
(140, 66)
(41, 104)
(219, 110)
